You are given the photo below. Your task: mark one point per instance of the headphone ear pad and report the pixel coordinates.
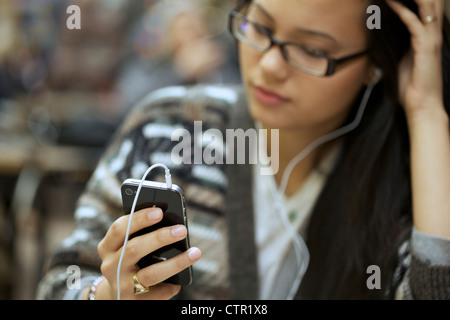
(377, 77)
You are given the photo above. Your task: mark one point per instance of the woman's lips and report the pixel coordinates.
(268, 97)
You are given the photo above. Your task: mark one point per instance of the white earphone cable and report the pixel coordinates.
(301, 250)
(133, 208)
(300, 247)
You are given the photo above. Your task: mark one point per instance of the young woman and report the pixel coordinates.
(370, 197)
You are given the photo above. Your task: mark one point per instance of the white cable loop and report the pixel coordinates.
(133, 208)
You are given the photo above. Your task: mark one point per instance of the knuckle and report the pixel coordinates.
(103, 268)
(162, 236)
(100, 248)
(116, 228)
(106, 268)
(132, 249)
(181, 263)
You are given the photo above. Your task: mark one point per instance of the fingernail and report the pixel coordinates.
(178, 231)
(194, 253)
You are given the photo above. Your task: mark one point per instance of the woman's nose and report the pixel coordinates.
(273, 63)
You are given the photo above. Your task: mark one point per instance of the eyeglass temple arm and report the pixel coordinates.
(334, 63)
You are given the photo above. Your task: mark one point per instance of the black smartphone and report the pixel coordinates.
(172, 203)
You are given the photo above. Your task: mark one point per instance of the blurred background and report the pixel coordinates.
(63, 92)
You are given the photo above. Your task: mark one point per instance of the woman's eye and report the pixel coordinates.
(313, 52)
(261, 29)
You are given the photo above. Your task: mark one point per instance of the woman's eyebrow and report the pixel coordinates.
(300, 30)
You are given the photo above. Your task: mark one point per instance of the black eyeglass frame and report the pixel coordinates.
(332, 63)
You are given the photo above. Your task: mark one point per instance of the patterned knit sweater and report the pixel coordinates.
(219, 204)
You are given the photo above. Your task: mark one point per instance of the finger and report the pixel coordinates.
(440, 8)
(161, 271)
(115, 236)
(426, 10)
(163, 291)
(431, 12)
(425, 37)
(140, 246)
(409, 18)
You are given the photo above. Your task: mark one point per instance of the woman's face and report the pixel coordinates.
(283, 97)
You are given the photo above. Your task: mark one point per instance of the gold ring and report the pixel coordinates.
(429, 19)
(138, 287)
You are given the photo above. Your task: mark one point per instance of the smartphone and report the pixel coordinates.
(172, 203)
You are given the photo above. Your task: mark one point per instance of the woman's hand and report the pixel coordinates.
(420, 72)
(110, 249)
(421, 94)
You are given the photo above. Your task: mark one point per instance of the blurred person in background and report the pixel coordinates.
(177, 43)
(125, 50)
(375, 197)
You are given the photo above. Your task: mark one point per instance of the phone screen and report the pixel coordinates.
(171, 202)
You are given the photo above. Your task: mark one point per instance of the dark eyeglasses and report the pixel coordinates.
(307, 59)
